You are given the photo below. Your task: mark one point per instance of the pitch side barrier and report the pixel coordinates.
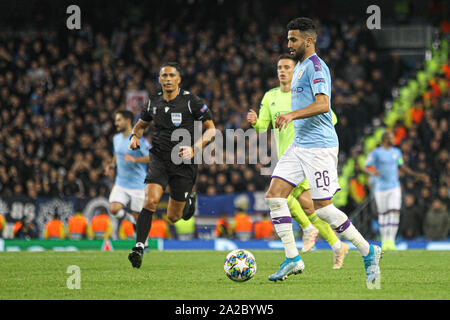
(7, 245)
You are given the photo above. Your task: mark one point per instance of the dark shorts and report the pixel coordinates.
(180, 178)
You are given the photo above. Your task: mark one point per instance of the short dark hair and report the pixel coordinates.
(304, 25)
(286, 56)
(175, 65)
(127, 115)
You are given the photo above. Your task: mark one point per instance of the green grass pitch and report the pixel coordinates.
(199, 275)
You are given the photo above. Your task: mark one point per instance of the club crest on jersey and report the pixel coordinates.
(300, 73)
(176, 119)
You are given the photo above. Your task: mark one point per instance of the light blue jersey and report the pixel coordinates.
(385, 161)
(130, 174)
(312, 77)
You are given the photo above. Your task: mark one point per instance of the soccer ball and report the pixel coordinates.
(240, 265)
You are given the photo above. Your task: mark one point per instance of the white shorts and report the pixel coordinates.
(387, 200)
(135, 197)
(317, 165)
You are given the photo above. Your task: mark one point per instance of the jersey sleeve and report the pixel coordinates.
(146, 112)
(199, 109)
(317, 78)
(262, 123)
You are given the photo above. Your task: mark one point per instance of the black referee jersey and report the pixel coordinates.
(179, 113)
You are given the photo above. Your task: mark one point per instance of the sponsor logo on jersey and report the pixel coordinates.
(204, 108)
(319, 80)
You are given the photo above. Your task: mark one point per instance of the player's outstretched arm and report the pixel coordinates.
(416, 175)
(138, 128)
(187, 152)
(144, 159)
(319, 106)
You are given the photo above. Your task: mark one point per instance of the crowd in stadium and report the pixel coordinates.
(58, 101)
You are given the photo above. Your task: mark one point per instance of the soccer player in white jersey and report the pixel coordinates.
(131, 169)
(312, 155)
(385, 161)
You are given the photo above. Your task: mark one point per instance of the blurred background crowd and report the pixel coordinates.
(59, 92)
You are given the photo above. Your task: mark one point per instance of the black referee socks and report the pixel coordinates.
(143, 225)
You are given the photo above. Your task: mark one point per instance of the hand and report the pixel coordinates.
(134, 143)
(187, 152)
(283, 120)
(129, 158)
(252, 117)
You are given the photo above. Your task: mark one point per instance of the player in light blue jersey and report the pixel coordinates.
(313, 155)
(131, 169)
(383, 164)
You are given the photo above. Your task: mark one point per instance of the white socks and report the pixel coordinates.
(282, 222)
(388, 223)
(339, 221)
(120, 214)
(336, 247)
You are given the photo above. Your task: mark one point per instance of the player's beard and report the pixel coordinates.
(300, 52)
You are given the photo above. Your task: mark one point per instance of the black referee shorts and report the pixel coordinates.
(180, 178)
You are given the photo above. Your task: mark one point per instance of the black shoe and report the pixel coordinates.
(190, 210)
(135, 257)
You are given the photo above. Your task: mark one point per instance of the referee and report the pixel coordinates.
(172, 109)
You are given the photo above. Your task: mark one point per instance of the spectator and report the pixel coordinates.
(160, 228)
(27, 231)
(54, 229)
(126, 230)
(100, 226)
(436, 224)
(222, 227)
(77, 226)
(263, 229)
(242, 225)
(185, 229)
(411, 220)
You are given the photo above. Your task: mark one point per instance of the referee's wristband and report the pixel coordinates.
(133, 134)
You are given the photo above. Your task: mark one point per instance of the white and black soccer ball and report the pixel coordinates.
(240, 265)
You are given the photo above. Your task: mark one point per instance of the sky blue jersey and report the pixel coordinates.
(386, 161)
(130, 174)
(312, 77)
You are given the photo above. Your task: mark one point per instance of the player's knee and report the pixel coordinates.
(173, 217)
(114, 208)
(275, 203)
(151, 204)
(271, 194)
(319, 204)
